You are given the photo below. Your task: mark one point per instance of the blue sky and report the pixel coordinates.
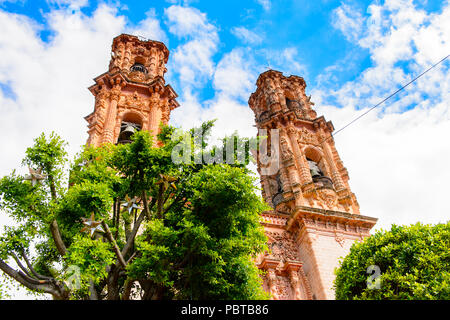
(308, 31)
(352, 54)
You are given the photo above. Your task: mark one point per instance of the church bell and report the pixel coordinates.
(128, 130)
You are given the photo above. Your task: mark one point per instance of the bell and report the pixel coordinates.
(129, 130)
(125, 135)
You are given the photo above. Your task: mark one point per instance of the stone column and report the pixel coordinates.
(110, 121)
(292, 268)
(270, 265)
(337, 179)
(155, 114)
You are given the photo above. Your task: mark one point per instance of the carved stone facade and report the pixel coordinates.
(315, 216)
(132, 90)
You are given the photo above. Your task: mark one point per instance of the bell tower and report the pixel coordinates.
(132, 94)
(315, 217)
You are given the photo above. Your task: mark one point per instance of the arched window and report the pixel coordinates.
(293, 104)
(317, 175)
(314, 169)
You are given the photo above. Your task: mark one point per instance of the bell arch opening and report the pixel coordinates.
(139, 65)
(318, 168)
(131, 123)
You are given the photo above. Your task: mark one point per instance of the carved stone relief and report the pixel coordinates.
(283, 246)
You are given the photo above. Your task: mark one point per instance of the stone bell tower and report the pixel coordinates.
(315, 216)
(132, 94)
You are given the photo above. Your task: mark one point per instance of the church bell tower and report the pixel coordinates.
(315, 216)
(132, 94)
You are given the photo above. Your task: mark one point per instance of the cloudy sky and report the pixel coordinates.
(352, 54)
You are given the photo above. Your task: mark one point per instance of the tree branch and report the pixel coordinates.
(186, 257)
(114, 243)
(54, 225)
(144, 213)
(160, 201)
(33, 284)
(146, 207)
(177, 198)
(54, 229)
(133, 233)
(37, 275)
(127, 289)
(21, 265)
(117, 221)
(131, 258)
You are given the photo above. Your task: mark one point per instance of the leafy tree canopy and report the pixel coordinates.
(131, 222)
(408, 262)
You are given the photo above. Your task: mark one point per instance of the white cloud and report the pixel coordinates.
(235, 74)
(396, 155)
(246, 36)
(193, 60)
(187, 21)
(397, 163)
(50, 81)
(266, 4)
(150, 28)
(234, 80)
(286, 60)
(348, 20)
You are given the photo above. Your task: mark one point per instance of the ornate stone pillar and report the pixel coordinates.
(337, 180)
(110, 122)
(155, 112)
(270, 265)
(272, 277)
(292, 268)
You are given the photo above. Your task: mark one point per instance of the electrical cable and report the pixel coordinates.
(391, 95)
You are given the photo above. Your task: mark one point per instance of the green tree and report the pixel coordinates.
(128, 221)
(2, 292)
(407, 262)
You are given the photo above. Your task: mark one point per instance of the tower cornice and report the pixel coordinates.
(136, 41)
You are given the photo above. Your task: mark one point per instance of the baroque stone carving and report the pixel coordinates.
(339, 239)
(134, 100)
(283, 288)
(286, 153)
(137, 76)
(282, 246)
(328, 196)
(284, 209)
(273, 282)
(307, 137)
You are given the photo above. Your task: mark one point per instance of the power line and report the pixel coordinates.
(391, 95)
